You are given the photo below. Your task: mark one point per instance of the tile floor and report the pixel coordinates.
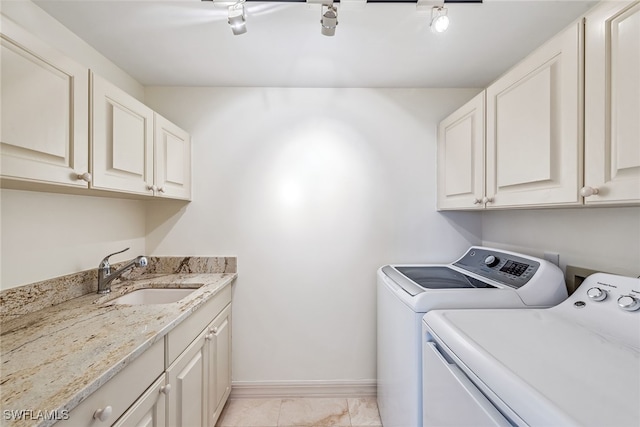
(301, 412)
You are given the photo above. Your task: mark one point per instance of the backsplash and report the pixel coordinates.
(36, 296)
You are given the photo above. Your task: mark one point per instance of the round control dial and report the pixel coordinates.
(628, 303)
(491, 261)
(596, 294)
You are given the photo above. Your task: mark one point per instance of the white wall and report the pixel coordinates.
(46, 235)
(605, 239)
(313, 190)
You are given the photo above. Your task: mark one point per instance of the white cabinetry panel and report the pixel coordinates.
(612, 104)
(172, 160)
(122, 140)
(44, 128)
(219, 365)
(149, 410)
(461, 157)
(534, 153)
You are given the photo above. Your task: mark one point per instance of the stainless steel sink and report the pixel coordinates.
(152, 296)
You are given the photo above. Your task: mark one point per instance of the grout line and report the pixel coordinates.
(279, 414)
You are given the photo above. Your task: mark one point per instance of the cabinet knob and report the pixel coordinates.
(214, 330)
(477, 201)
(84, 176)
(161, 189)
(208, 337)
(165, 389)
(151, 187)
(587, 191)
(103, 414)
(486, 200)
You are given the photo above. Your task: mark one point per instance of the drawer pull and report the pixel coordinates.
(165, 389)
(103, 414)
(208, 337)
(214, 330)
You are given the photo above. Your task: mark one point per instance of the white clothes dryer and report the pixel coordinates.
(481, 278)
(576, 364)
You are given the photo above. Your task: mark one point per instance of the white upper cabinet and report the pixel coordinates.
(45, 104)
(461, 157)
(172, 160)
(612, 104)
(534, 139)
(135, 150)
(121, 140)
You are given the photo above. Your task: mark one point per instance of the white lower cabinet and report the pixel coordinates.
(201, 376)
(188, 378)
(150, 409)
(104, 406)
(181, 381)
(219, 359)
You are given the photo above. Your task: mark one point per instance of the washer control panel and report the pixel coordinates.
(506, 268)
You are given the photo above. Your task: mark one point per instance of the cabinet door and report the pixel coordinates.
(187, 376)
(612, 103)
(534, 145)
(121, 140)
(149, 410)
(45, 104)
(219, 381)
(461, 157)
(172, 160)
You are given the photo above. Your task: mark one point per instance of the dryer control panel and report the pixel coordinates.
(506, 268)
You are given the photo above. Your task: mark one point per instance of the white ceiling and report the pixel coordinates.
(189, 43)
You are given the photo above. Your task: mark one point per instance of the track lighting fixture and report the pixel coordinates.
(439, 19)
(237, 18)
(329, 19)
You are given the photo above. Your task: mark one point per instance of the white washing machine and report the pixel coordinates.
(481, 278)
(576, 364)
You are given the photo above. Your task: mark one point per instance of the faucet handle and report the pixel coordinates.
(105, 260)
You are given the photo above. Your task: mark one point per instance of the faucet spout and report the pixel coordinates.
(105, 276)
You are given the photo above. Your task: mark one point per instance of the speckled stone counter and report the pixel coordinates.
(54, 357)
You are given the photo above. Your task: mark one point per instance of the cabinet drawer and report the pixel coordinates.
(180, 338)
(120, 391)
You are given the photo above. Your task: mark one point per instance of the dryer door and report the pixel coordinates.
(450, 399)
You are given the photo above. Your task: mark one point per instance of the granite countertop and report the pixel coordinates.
(55, 357)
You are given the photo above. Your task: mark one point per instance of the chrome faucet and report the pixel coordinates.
(105, 276)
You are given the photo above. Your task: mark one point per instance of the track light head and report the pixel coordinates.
(439, 19)
(237, 18)
(329, 20)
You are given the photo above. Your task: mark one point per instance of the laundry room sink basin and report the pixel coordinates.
(153, 296)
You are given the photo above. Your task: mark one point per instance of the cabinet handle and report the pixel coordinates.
(587, 191)
(161, 189)
(84, 176)
(486, 200)
(214, 330)
(103, 414)
(208, 337)
(477, 201)
(151, 187)
(165, 389)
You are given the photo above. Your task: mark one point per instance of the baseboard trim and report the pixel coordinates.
(285, 389)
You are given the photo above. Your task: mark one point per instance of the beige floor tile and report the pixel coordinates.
(316, 412)
(250, 413)
(364, 412)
